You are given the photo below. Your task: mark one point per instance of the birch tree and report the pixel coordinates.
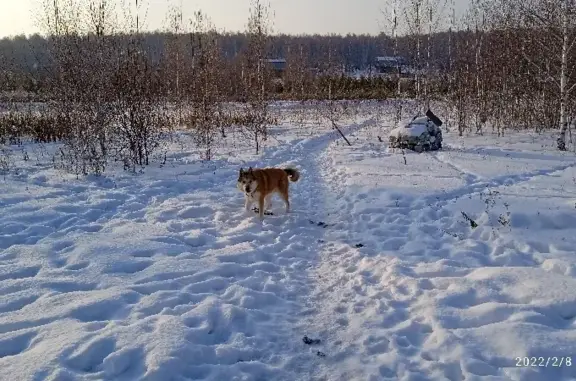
(423, 18)
(413, 16)
(206, 114)
(435, 12)
(477, 23)
(255, 75)
(551, 26)
(391, 17)
(175, 51)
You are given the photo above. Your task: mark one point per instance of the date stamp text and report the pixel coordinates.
(553, 362)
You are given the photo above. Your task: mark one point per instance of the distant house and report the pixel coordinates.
(390, 65)
(278, 66)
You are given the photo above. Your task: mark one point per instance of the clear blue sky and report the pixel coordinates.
(291, 16)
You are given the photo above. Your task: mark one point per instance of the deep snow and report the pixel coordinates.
(162, 276)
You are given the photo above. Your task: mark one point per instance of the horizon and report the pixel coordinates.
(324, 17)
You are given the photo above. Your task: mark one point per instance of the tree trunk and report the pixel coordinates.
(398, 69)
(561, 142)
(429, 42)
(418, 63)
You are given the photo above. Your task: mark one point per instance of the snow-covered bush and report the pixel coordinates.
(420, 134)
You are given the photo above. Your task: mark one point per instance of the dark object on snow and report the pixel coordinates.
(433, 118)
(267, 213)
(320, 354)
(310, 341)
(423, 133)
(359, 245)
(473, 223)
(320, 223)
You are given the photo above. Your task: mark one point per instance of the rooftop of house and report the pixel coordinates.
(276, 60)
(277, 63)
(390, 59)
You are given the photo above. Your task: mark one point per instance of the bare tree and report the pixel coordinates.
(141, 108)
(255, 75)
(176, 58)
(477, 24)
(206, 115)
(391, 17)
(413, 17)
(332, 110)
(450, 64)
(435, 10)
(551, 26)
(79, 88)
(297, 77)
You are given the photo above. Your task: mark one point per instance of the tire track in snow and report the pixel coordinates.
(474, 185)
(469, 177)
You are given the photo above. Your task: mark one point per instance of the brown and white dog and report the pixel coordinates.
(259, 185)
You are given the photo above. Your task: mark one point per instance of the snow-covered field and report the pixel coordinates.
(162, 276)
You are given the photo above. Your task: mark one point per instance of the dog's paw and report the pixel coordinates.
(266, 212)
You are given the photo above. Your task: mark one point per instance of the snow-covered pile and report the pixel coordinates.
(420, 134)
(377, 274)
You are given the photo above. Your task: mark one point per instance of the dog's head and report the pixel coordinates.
(246, 180)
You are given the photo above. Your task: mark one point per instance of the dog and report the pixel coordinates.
(259, 185)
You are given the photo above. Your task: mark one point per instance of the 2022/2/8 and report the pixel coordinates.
(549, 361)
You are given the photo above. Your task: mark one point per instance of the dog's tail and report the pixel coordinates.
(293, 174)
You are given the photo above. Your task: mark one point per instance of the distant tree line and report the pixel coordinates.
(26, 57)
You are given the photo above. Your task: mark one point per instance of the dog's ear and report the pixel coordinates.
(241, 170)
(250, 170)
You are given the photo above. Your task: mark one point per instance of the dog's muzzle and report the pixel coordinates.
(247, 189)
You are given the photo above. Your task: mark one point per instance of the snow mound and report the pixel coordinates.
(420, 134)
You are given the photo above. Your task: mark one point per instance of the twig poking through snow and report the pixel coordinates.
(341, 134)
(473, 223)
(309, 341)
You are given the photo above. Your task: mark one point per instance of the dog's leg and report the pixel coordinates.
(268, 202)
(261, 207)
(247, 202)
(284, 195)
